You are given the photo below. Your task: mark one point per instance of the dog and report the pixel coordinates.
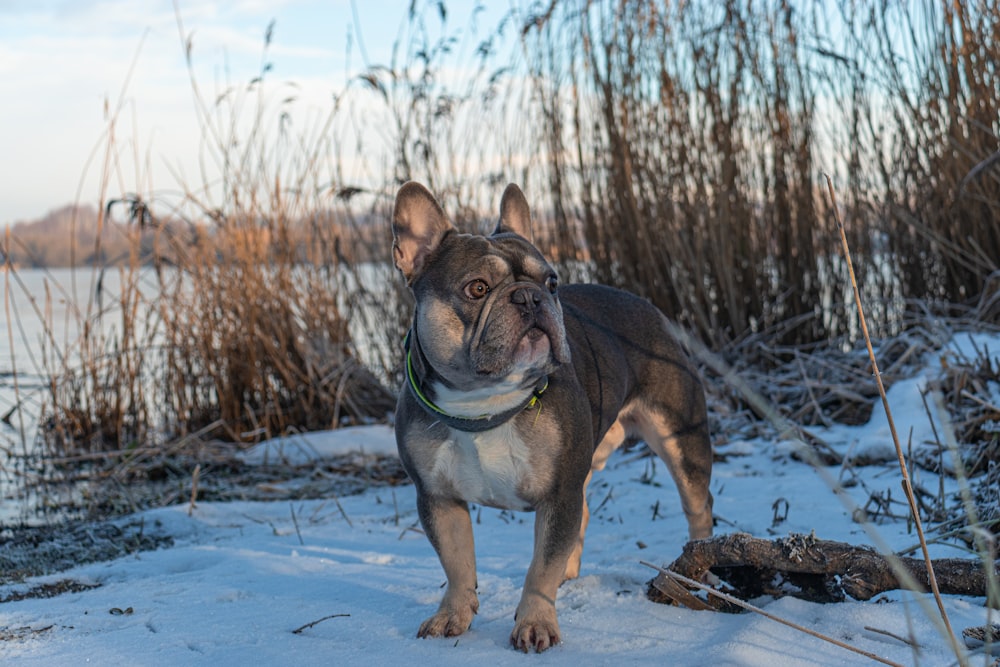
(517, 389)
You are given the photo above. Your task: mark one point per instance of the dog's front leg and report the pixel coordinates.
(449, 529)
(556, 527)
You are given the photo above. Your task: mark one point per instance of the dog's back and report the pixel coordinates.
(641, 384)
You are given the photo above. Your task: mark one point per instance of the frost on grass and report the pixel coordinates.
(38, 550)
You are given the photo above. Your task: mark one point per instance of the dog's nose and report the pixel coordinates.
(526, 298)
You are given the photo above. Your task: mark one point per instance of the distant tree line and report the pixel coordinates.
(66, 236)
(75, 235)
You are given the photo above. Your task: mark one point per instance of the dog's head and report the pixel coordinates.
(487, 307)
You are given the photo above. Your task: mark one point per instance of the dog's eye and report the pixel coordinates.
(477, 289)
(552, 282)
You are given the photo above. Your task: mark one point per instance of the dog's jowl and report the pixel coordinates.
(517, 388)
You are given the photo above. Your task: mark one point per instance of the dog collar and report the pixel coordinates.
(467, 424)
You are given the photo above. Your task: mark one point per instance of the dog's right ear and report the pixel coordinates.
(418, 225)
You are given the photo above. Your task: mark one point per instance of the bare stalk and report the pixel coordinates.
(904, 472)
(194, 489)
(8, 271)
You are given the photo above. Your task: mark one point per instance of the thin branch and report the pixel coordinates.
(904, 472)
(299, 630)
(909, 642)
(195, 476)
(295, 522)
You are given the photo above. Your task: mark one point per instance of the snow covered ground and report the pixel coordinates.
(244, 580)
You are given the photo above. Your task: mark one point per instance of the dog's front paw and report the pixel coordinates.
(445, 624)
(539, 635)
(536, 626)
(453, 617)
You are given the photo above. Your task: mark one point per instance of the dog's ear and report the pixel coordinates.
(514, 214)
(418, 225)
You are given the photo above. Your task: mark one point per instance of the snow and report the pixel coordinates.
(242, 577)
(304, 448)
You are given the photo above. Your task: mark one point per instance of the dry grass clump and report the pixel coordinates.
(234, 318)
(969, 388)
(689, 159)
(232, 336)
(682, 146)
(817, 384)
(258, 339)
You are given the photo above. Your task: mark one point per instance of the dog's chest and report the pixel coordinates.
(490, 468)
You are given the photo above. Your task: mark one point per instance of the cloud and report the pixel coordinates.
(64, 63)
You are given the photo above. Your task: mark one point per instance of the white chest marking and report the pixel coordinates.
(489, 468)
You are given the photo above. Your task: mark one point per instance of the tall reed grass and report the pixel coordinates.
(687, 140)
(240, 302)
(673, 149)
(256, 306)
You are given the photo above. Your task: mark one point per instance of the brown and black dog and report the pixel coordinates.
(517, 389)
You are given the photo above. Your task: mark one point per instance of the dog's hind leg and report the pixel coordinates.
(684, 445)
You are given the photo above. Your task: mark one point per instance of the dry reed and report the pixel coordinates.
(669, 149)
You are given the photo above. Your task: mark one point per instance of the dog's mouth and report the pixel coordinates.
(533, 351)
(538, 347)
(521, 341)
(533, 348)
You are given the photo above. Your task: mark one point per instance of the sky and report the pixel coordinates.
(66, 64)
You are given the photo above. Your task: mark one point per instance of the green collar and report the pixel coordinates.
(467, 424)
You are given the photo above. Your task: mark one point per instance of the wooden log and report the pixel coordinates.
(858, 571)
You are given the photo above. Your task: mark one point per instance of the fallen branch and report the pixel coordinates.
(674, 577)
(822, 566)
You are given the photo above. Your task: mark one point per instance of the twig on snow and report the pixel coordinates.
(299, 630)
(295, 522)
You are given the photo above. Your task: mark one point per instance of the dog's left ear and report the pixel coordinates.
(514, 214)
(418, 225)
